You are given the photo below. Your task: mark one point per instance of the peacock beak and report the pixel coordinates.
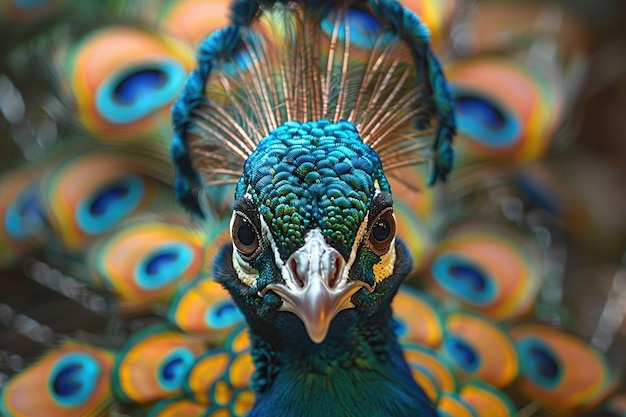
(316, 288)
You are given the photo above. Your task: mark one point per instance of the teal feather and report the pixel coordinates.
(360, 360)
(339, 86)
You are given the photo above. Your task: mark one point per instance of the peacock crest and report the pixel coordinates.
(368, 64)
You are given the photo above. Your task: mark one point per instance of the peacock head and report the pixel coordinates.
(313, 222)
(343, 90)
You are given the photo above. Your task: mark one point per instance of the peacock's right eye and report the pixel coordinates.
(382, 233)
(244, 236)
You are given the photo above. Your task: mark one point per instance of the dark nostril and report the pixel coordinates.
(298, 272)
(335, 272)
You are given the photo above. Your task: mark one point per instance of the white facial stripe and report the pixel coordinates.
(267, 236)
(355, 245)
(248, 275)
(383, 269)
(244, 270)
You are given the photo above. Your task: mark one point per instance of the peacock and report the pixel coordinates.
(296, 208)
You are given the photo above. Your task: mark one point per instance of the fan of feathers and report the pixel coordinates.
(517, 295)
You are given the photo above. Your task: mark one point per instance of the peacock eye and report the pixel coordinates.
(382, 232)
(244, 236)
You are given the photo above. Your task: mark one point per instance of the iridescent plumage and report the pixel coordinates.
(294, 95)
(303, 144)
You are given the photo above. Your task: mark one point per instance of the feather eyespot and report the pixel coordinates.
(382, 232)
(244, 236)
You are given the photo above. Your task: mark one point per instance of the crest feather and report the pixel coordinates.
(366, 62)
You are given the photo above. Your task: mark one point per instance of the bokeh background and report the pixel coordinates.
(583, 170)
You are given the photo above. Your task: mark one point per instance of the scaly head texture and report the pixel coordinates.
(366, 62)
(315, 174)
(304, 104)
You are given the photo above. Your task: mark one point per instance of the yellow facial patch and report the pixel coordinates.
(384, 268)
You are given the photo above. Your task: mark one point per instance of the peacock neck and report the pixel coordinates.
(358, 370)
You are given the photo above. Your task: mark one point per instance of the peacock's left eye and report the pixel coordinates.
(244, 236)
(382, 232)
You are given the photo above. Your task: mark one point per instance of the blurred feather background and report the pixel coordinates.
(574, 197)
